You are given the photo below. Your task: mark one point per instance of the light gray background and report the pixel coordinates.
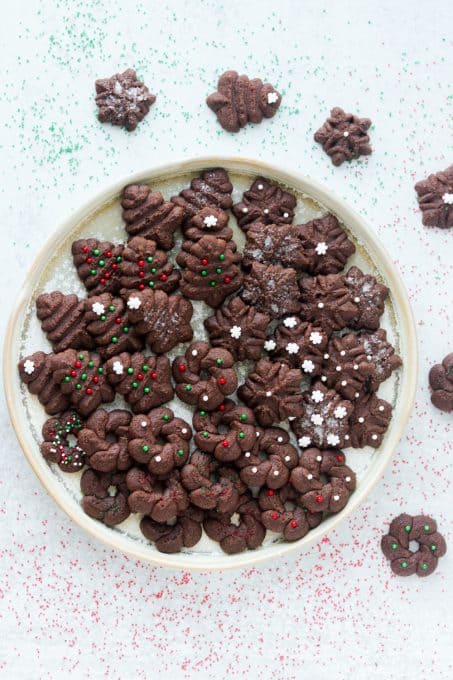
(69, 606)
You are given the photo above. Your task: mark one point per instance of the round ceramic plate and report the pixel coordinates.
(101, 217)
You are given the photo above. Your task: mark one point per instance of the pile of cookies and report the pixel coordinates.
(262, 455)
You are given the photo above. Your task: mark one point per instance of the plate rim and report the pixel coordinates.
(405, 400)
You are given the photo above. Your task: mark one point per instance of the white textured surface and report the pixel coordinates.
(70, 606)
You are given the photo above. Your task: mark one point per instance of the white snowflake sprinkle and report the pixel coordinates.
(29, 366)
(290, 322)
(210, 221)
(321, 248)
(98, 308)
(268, 393)
(340, 412)
(308, 366)
(269, 345)
(448, 199)
(315, 338)
(235, 332)
(333, 440)
(304, 442)
(134, 302)
(317, 396)
(272, 97)
(317, 419)
(292, 348)
(118, 368)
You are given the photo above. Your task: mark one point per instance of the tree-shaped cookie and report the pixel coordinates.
(36, 372)
(265, 203)
(275, 244)
(81, 377)
(163, 319)
(147, 214)
(109, 325)
(344, 136)
(97, 264)
(143, 265)
(326, 244)
(144, 381)
(63, 321)
(240, 100)
(327, 301)
(272, 289)
(239, 328)
(211, 189)
(272, 390)
(210, 269)
(209, 221)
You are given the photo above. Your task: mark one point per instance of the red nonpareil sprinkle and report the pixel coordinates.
(222, 407)
(154, 376)
(107, 275)
(95, 379)
(84, 249)
(294, 524)
(139, 376)
(103, 281)
(78, 364)
(163, 277)
(108, 253)
(204, 261)
(222, 381)
(225, 443)
(181, 368)
(141, 274)
(227, 279)
(319, 499)
(141, 263)
(141, 286)
(114, 266)
(118, 319)
(270, 492)
(89, 260)
(73, 374)
(340, 459)
(274, 515)
(89, 390)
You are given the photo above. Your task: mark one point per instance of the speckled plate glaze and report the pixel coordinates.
(101, 217)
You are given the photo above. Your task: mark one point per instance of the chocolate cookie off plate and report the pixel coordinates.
(327, 307)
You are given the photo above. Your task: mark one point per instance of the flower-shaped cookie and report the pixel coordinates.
(325, 419)
(380, 353)
(275, 244)
(57, 447)
(269, 462)
(163, 500)
(123, 99)
(227, 433)
(368, 295)
(104, 439)
(210, 486)
(282, 514)
(441, 383)
(237, 531)
(300, 343)
(344, 136)
(346, 367)
(265, 203)
(326, 245)
(272, 289)
(105, 496)
(209, 221)
(396, 545)
(435, 198)
(327, 301)
(369, 421)
(184, 532)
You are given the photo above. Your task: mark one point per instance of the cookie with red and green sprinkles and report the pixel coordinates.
(396, 545)
(108, 323)
(97, 264)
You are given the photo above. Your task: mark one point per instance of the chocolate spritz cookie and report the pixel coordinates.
(435, 198)
(396, 545)
(441, 383)
(123, 99)
(236, 373)
(344, 136)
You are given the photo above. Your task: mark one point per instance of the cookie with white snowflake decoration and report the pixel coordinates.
(325, 419)
(346, 367)
(123, 99)
(331, 484)
(369, 421)
(327, 301)
(143, 265)
(239, 328)
(227, 432)
(270, 462)
(266, 203)
(57, 446)
(237, 531)
(211, 189)
(435, 199)
(146, 213)
(272, 289)
(163, 319)
(275, 244)
(272, 390)
(108, 323)
(369, 296)
(209, 221)
(63, 320)
(204, 376)
(382, 354)
(35, 372)
(344, 136)
(240, 100)
(300, 343)
(210, 270)
(326, 245)
(282, 514)
(160, 441)
(104, 440)
(105, 496)
(97, 264)
(81, 376)
(144, 381)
